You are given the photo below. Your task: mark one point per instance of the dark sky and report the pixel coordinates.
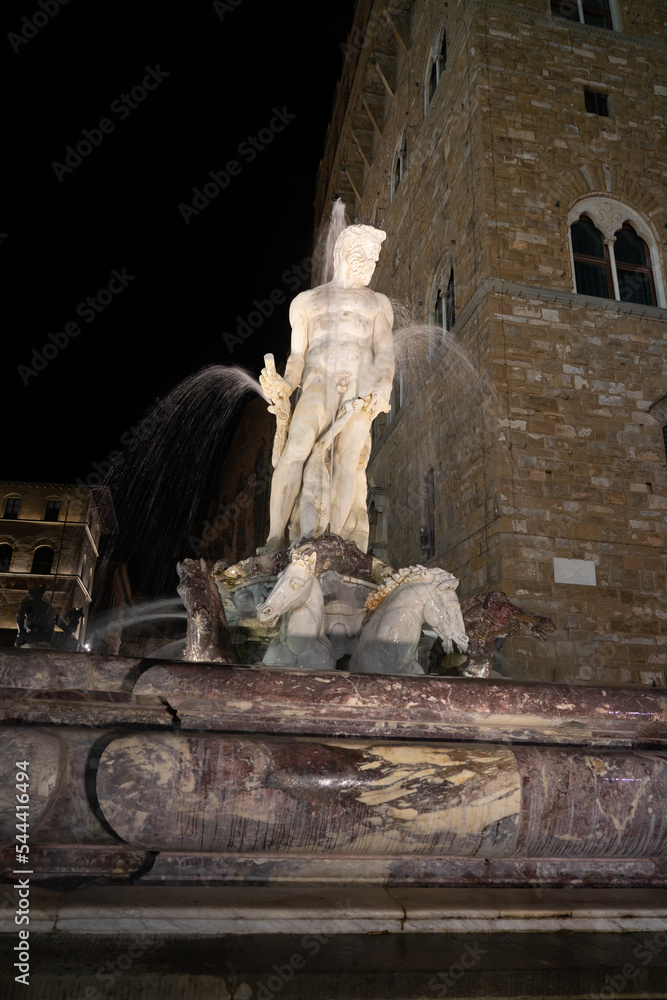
(219, 77)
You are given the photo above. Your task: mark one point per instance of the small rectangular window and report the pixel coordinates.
(597, 13)
(596, 103)
(12, 507)
(52, 510)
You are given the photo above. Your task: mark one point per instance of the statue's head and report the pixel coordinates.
(37, 592)
(359, 247)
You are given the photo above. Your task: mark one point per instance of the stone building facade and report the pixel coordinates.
(478, 134)
(49, 535)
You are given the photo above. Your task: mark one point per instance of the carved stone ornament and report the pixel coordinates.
(608, 216)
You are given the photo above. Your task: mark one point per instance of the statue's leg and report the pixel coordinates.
(286, 482)
(356, 528)
(349, 447)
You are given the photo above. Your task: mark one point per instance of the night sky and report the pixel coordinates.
(167, 95)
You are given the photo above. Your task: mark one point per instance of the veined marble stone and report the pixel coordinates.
(235, 794)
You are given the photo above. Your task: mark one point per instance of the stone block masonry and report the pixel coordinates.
(551, 451)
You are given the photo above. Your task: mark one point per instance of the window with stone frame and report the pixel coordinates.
(615, 252)
(596, 103)
(612, 269)
(400, 164)
(444, 307)
(6, 553)
(597, 13)
(12, 507)
(52, 511)
(42, 560)
(436, 67)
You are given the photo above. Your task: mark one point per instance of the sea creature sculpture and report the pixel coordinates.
(411, 597)
(66, 640)
(208, 635)
(298, 601)
(491, 616)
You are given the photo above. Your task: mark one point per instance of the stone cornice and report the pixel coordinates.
(496, 286)
(548, 20)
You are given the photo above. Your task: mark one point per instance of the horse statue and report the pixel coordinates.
(408, 599)
(298, 600)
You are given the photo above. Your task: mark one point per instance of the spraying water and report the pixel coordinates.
(325, 242)
(157, 491)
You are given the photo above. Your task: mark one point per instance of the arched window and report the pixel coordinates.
(592, 264)
(614, 253)
(6, 553)
(633, 267)
(400, 163)
(445, 304)
(443, 313)
(42, 560)
(437, 61)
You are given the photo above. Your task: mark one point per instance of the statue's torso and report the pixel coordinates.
(340, 329)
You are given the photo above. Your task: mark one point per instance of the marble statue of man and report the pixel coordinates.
(342, 356)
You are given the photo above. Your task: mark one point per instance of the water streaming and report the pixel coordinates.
(157, 492)
(325, 242)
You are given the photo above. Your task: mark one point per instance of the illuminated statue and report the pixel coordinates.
(342, 357)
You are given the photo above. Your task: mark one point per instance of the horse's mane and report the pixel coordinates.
(409, 574)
